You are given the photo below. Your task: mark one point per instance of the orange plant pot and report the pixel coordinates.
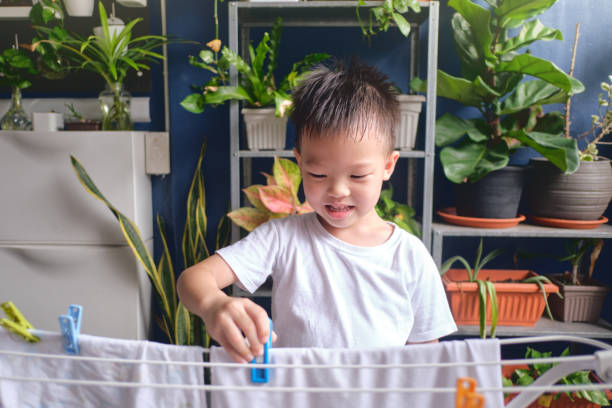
(519, 304)
(562, 402)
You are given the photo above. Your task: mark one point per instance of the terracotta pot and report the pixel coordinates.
(582, 195)
(561, 402)
(580, 303)
(519, 304)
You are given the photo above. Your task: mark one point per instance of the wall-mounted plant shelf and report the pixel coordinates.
(14, 13)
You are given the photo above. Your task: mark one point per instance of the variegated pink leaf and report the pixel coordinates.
(269, 179)
(277, 199)
(252, 194)
(287, 174)
(248, 218)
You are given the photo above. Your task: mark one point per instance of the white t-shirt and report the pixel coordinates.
(328, 293)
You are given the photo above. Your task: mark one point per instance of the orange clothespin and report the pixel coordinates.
(467, 397)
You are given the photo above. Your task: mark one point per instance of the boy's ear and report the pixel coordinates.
(390, 164)
(298, 158)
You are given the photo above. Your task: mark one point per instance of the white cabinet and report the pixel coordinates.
(60, 245)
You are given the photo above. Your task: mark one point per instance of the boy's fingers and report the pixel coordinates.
(235, 341)
(261, 320)
(247, 326)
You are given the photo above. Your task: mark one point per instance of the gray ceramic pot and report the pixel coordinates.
(582, 195)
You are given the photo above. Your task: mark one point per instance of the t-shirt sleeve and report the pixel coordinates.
(253, 257)
(432, 316)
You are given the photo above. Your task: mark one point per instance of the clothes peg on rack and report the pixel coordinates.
(70, 326)
(262, 375)
(17, 323)
(467, 397)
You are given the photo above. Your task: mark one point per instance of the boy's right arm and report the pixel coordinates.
(226, 318)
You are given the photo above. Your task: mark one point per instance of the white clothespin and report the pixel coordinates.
(70, 326)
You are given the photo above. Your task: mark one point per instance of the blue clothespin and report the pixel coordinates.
(70, 325)
(262, 375)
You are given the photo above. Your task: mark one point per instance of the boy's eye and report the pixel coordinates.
(358, 176)
(316, 175)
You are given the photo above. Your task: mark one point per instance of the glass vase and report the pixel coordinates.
(16, 118)
(115, 105)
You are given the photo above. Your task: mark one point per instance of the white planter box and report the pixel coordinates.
(43, 200)
(405, 133)
(42, 280)
(264, 130)
(79, 8)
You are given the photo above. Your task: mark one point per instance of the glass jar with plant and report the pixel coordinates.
(508, 89)
(16, 67)
(111, 56)
(470, 286)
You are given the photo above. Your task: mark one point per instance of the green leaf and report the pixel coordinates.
(531, 31)
(458, 89)
(450, 261)
(543, 69)
(479, 21)
(226, 93)
(182, 326)
(450, 128)
(482, 306)
(561, 152)
(194, 103)
(402, 24)
(472, 161)
(511, 11)
(527, 94)
(166, 270)
(494, 308)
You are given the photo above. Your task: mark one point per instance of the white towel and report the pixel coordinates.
(50, 395)
(448, 351)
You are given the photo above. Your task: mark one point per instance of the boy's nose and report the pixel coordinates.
(338, 188)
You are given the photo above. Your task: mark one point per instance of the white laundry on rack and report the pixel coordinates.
(52, 395)
(431, 377)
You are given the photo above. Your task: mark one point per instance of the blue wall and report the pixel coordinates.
(193, 20)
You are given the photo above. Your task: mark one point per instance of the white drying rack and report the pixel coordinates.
(599, 362)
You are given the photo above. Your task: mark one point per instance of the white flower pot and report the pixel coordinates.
(79, 8)
(405, 132)
(264, 130)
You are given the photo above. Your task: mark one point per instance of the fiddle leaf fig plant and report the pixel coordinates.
(506, 87)
(277, 199)
(256, 84)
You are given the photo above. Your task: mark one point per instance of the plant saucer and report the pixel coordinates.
(565, 223)
(450, 215)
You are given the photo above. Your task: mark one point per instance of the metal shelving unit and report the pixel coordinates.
(245, 15)
(544, 326)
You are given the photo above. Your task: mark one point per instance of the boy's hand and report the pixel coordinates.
(229, 320)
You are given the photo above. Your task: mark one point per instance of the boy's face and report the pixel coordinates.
(343, 179)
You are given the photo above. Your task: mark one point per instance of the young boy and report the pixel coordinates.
(343, 277)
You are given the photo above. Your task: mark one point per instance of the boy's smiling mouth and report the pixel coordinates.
(339, 210)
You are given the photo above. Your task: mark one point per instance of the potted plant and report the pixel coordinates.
(381, 17)
(16, 68)
(268, 101)
(277, 199)
(179, 325)
(517, 297)
(583, 297)
(576, 200)
(400, 214)
(525, 375)
(475, 152)
(111, 57)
